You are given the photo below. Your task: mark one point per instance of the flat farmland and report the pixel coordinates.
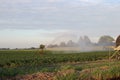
(80, 65)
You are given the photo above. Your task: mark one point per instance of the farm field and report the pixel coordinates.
(57, 65)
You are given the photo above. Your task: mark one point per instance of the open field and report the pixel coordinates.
(57, 65)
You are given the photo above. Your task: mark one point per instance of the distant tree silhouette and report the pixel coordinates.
(84, 41)
(52, 45)
(70, 43)
(106, 41)
(42, 48)
(62, 44)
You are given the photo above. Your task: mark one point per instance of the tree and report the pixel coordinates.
(87, 40)
(52, 45)
(106, 41)
(62, 44)
(70, 43)
(42, 48)
(84, 41)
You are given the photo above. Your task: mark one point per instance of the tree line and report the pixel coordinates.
(84, 41)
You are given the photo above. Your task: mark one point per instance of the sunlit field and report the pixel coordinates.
(79, 65)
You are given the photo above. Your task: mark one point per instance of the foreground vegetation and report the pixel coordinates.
(33, 57)
(82, 65)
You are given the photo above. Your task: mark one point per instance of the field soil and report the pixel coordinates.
(40, 76)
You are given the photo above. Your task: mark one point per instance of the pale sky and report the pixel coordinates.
(27, 23)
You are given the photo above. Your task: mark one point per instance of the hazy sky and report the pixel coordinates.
(27, 23)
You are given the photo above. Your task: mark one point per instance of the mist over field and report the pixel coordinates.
(84, 43)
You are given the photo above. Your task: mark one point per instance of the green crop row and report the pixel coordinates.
(19, 58)
(13, 62)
